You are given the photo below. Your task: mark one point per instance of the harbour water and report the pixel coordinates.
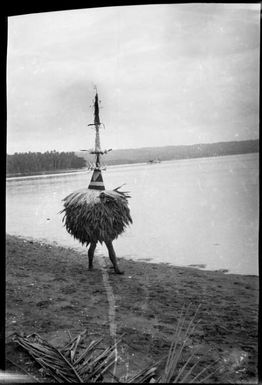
(185, 212)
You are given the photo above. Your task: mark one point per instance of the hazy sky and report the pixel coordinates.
(166, 75)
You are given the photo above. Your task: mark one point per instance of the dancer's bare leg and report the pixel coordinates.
(91, 251)
(112, 256)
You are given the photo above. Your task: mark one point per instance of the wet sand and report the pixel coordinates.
(49, 290)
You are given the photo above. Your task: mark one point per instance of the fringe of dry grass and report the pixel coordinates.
(92, 216)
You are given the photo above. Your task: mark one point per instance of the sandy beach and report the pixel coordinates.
(49, 290)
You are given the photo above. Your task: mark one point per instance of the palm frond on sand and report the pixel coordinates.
(74, 362)
(97, 216)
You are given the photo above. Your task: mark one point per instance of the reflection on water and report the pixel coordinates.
(185, 212)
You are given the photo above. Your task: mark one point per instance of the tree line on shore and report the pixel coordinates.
(37, 162)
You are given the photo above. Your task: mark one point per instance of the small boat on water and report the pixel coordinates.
(152, 161)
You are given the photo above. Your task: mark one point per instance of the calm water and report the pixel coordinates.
(193, 211)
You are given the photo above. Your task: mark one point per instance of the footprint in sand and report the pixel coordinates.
(43, 304)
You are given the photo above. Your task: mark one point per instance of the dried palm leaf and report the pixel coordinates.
(77, 363)
(70, 363)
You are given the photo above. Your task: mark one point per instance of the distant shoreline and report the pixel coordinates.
(85, 170)
(45, 173)
(69, 172)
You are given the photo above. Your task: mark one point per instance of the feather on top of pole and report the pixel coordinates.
(95, 214)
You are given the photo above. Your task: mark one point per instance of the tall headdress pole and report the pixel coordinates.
(97, 182)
